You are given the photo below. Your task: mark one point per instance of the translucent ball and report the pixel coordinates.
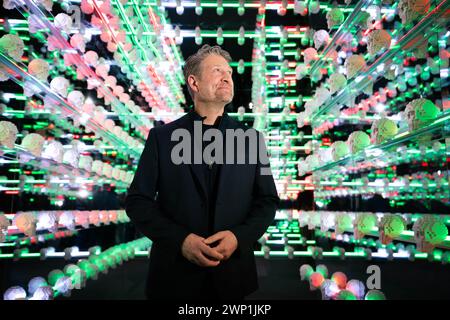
(345, 295)
(321, 268)
(357, 141)
(305, 271)
(329, 289)
(54, 276)
(340, 279)
(436, 232)
(365, 223)
(316, 279)
(357, 288)
(339, 149)
(375, 295)
(392, 225)
(15, 293)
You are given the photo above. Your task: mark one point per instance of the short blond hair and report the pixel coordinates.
(192, 65)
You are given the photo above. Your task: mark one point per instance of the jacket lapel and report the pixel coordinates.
(226, 170)
(187, 122)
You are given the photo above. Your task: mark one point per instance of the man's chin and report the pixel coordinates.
(227, 99)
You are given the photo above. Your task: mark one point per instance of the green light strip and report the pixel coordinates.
(235, 4)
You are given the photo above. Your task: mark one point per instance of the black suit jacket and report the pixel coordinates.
(167, 202)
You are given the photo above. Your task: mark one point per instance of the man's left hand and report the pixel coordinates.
(227, 243)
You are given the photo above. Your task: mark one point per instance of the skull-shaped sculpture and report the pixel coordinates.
(310, 54)
(390, 227)
(76, 98)
(77, 41)
(118, 131)
(36, 283)
(340, 279)
(303, 218)
(91, 58)
(60, 85)
(107, 170)
(116, 173)
(67, 219)
(329, 289)
(47, 220)
(357, 141)
(312, 162)
(322, 94)
(71, 157)
(315, 280)
(26, 223)
(354, 64)
(104, 217)
(378, 40)
(374, 295)
(409, 10)
(100, 114)
(8, 134)
(428, 232)
(313, 220)
(82, 218)
(339, 149)
(327, 221)
(97, 167)
(420, 113)
(382, 130)
(13, 46)
(363, 224)
(301, 71)
(43, 293)
(357, 288)
(345, 295)
(343, 222)
(4, 224)
(39, 68)
(76, 274)
(63, 22)
(321, 38)
(85, 163)
(94, 217)
(335, 17)
(322, 269)
(113, 216)
(336, 82)
(15, 293)
(54, 150)
(123, 176)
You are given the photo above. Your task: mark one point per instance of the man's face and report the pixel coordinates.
(215, 84)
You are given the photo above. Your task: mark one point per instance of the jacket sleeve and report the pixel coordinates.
(141, 205)
(264, 203)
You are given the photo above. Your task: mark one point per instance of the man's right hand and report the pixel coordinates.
(196, 251)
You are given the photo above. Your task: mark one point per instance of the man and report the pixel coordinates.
(203, 217)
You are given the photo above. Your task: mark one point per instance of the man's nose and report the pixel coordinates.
(226, 77)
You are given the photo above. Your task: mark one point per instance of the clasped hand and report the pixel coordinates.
(211, 251)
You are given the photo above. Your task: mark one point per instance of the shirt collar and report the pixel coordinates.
(196, 117)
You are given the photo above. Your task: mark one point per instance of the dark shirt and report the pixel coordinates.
(211, 173)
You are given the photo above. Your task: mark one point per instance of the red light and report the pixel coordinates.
(12, 192)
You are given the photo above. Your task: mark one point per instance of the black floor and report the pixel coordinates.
(279, 278)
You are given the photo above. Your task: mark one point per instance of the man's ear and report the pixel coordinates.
(192, 82)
